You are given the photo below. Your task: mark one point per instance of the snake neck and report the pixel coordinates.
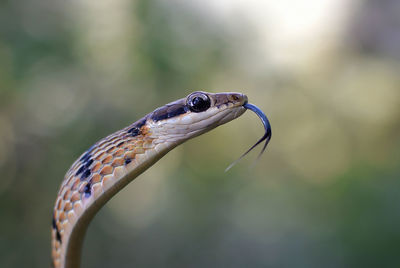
(93, 180)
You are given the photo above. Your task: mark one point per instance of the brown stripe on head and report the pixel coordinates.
(170, 110)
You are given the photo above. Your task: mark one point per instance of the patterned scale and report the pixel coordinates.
(93, 174)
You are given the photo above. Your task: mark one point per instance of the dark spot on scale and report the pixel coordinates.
(134, 131)
(80, 170)
(119, 144)
(127, 161)
(88, 163)
(85, 157)
(58, 236)
(88, 190)
(135, 127)
(85, 174)
(54, 225)
(141, 122)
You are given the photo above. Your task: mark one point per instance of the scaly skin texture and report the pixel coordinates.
(113, 158)
(114, 161)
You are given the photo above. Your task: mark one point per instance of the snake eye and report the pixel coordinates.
(198, 102)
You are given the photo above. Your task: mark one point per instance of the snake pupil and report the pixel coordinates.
(198, 102)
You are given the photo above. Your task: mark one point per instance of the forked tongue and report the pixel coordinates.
(266, 137)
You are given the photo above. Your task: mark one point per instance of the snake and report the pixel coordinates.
(114, 161)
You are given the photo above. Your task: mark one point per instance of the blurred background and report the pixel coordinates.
(325, 193)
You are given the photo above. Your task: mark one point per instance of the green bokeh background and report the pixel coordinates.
(325, 193)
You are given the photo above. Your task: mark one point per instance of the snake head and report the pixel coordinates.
(194, 115)
(200, 112)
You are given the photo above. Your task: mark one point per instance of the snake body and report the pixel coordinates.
(113, 162)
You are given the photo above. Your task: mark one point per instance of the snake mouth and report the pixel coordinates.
(267, 134)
